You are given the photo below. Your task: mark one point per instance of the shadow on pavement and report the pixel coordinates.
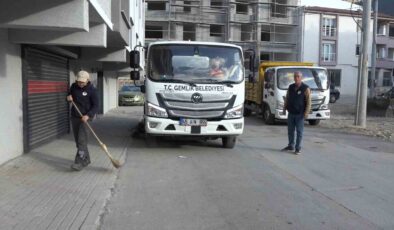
(58, 163)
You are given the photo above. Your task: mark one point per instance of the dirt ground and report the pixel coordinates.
(342, 117)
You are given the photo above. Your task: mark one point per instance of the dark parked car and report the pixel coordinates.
(334, 94)
(390, 93)
(131, 95)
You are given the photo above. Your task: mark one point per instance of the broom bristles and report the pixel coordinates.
(114, 162)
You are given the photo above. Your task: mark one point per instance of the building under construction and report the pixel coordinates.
(269, 27)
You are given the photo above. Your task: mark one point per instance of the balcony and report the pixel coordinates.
(385, 40)
(385, 63)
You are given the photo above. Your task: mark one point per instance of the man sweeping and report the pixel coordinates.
(85, 97)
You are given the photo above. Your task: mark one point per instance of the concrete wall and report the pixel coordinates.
(311, 42)
(11, 127)
(45, 14)
(110, 91)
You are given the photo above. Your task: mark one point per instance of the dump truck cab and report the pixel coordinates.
(267, 94)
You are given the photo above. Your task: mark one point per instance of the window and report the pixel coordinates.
(328, 52)
(216, 30)
(264, 57)
(329, 26)
(265, 34)
(216, 3)
(279, 8)
(387, 81)
(391, 31)
(153, 32)
(335, 77)
(357, 49)
(241, 8)
(156, 6)
(189, 32)
(246, 32)
(186, 7)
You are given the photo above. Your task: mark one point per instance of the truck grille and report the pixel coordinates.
(212, 106)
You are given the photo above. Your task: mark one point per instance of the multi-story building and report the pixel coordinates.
(332, 37)
(43, 44)
(270, 27)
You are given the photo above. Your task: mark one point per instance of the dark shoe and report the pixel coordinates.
(297, 152)
(288, 148)
(77, 166)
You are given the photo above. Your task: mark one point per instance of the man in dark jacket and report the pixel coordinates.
(298, 104)
(84, 95)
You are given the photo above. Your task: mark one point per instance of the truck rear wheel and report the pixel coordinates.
(268, 117)
(229, 142)
(314, 122)
(247, 112)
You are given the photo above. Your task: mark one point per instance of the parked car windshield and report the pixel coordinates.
(195, 63)
(314, 78)
(130, 88)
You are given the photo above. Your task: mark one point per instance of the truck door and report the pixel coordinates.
(269, 89)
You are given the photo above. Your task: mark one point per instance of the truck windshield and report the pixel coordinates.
(313, 77)
(195, 63)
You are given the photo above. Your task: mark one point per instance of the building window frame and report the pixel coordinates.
(328, 52)
(329, 26)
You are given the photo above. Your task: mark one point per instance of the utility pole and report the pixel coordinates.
(373, 55)
(361, 113)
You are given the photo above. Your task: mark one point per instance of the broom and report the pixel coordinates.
(114, 162)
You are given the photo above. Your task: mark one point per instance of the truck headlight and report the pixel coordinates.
(155, 111)
(324, 106)
(280, 105)
(235, 112)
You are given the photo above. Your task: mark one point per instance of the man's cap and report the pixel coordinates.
(83, 76)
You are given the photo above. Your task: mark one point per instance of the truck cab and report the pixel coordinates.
(195, 89)
(269, 92)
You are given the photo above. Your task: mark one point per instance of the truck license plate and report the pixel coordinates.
(192, 122)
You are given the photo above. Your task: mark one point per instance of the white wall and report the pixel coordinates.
(110, 91)
(311, 38)
(11, 125)
(347, 60)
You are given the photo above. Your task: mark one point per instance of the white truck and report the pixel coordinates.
(194, 89)
(267, 94)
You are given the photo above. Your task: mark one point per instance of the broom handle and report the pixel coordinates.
(97, 138)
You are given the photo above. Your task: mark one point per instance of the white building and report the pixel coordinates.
(42, 46)
(331, 38)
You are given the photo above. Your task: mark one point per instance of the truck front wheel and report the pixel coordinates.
(268, 117)
(314, 122)
(229, 142)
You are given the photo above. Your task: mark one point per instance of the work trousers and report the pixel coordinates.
(295, 123)
(81, 135)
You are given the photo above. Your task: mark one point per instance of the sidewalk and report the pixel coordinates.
(39, 190)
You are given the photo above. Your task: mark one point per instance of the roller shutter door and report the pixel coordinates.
(45, 80)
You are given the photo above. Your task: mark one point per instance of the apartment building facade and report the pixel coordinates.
(42, 47)
(332, 38)
(269, 27)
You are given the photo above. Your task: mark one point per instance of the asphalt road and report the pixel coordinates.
(339, 181)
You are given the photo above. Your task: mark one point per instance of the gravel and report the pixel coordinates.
(342, 118)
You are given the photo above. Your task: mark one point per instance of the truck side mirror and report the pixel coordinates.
(135, 75)
(142, 88)
(135, 59)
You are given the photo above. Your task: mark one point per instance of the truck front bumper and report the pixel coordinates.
(314, 115)
(165, 126)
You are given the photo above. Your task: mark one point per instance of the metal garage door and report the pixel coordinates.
(45, 81)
